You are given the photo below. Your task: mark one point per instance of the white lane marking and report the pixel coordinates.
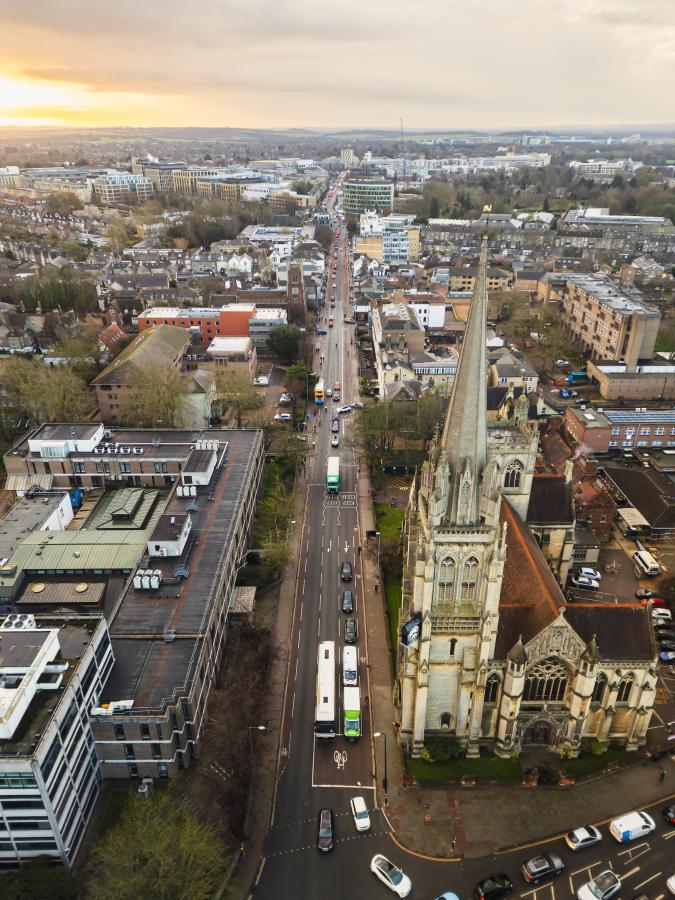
(646, 881)
(304, 585)
(634, 852)
(301, 606)
(293, 706)
(297, 660)
(319, 599)
(631, 872)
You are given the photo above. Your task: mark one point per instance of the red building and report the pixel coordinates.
(227, 321)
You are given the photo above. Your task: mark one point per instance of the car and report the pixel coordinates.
(583, 837)
(344, 409)
(661, 615)
(390, 875)
(349, 321)
(358, 405)
(644, 593)
(322, 331)
(347, 602)
(330, 319)
(335, 426)
(656, 602)
(589, 572)
(360, 813)
(667, 644)
(602, 887)
(283, 417)
(447, 895)
(545, 866)
(346, 571)
(497, 885)
(668, 813)
(670, 884)
(667, 657)
(351, 631)
(665, 634)
(565, 394)
(328, 392)
(325, 839)
(330, 324)
(335, 440)
(588, 584)
(285, 398)
(261, 381)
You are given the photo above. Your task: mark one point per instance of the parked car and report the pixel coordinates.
(583, 837)
(589, 572)
(358, 405)
(285, 399)
(545, 866)
(344, 409)
(261, 381)
(360, 813)
(587, 584)
(632, 825)
(565, 394)
(346, 571)
(351, 631)
(661, 615)
(670, 884)
(347, 602)
(665, 634)
(325, 840)
(493, 887)
(644, 593)
(322, 331)
(667, 644)
(656, 602)
(667, 657)
(283, 417)
(669, 814)
(390, 875)
(602, 887)
(335, 441)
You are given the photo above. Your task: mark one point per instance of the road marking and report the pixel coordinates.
(319, 599)
(538, 890)
(297, 660)
(293, 706)
(304, 585)
(301, 607)
(260, 870)
(668, 836)
(589, 873)
(646, 881)
(631, 872)
(634, 852)
(340, 759)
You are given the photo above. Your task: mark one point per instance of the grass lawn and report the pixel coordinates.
(589, 765)
(392, 591)
(489, 768)
(389, 521)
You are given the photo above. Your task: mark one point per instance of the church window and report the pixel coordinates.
(512, 475)
(599, 688)
(445, 720)
(469, 579)
(626, 686)
(446, 580)
(546, 682)
(453, 644)
(492, 688)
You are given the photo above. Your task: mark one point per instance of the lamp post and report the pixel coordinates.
(377, 535)
(385, 783)
(251, 729)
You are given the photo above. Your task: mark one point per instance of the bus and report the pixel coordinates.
(351, 702)
(646, 564)
(333, 475)
(324, 717)
(318, 393)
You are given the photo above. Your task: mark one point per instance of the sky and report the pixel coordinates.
(438, 64)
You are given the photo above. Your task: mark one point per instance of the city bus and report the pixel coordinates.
(324, 717)
(319, 393)
(333, 475)
(352, 713)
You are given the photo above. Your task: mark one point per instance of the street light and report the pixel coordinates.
(377, 534)
(385, 784)
(251, 729)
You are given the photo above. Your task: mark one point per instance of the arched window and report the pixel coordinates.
(446, 580)
(492, 688)
(469, 579)
(512, 474)
(445, 720)
(546, 682)
(464, 495)
(599, 688)
(626, 686)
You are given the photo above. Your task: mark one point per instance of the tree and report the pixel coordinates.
(302, 187)
(117, 237)
(324, 235)
(158, 399)
(235, 391)
(159, 849)
(44, 393)
(63, 291)
(210, 285)
(82, 353)
(434, 208)
(39, 879)
(285, 342)
(63, 204)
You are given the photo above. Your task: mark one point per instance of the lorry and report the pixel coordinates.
(333, 475)
(574, 377)
(351, 703)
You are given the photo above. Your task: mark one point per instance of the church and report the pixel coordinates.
(495, 656)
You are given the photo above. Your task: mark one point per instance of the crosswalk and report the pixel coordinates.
(344, 499)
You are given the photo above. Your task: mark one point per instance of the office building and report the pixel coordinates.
(119, 187)
(602, 430)
(208, 322)
(362, 194)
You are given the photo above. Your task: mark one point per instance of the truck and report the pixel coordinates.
(351, 703)
(573, 377)
(333, 475)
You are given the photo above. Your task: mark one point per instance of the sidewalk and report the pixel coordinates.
(449, 821)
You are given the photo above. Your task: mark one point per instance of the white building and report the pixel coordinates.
(605, 169)
(115, 187)
(264, 322)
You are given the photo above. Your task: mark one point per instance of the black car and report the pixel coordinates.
(347, 602)
(667, 645)
(645, 593)
(492, 887)
(335, 426)
(351, 631)
(665, 634)
(325, 839)
(669, 814)
(544, 866)
(346, 571)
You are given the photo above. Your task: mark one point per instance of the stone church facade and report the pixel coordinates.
(503, 662)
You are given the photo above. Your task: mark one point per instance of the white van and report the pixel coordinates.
(646, 564)
(350, 667)
(632, 825)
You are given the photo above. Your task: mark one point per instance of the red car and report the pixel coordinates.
(655, 601)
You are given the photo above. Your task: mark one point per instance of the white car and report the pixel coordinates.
(285, 398)
(661, 615)
(588, 584)
(283, 417)
(335, 440)
(360, 813)
(261, 381)
(390, 875)
(588, 572)
(602, 887)
(344, 409)
(671, 884)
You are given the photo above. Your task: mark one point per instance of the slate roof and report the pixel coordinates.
(158, 346)
(622, 631)
(550, 501)
(650, 492)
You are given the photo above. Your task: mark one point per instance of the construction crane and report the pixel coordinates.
(402, 150)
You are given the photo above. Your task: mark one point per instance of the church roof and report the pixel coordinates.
(550, 501)
(622, 630)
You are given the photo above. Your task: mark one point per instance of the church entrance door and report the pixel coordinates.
(541, 733)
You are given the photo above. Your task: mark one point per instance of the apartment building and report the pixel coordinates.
(611, 321)
(605, 169)
(362, 194)
(159, 171)
(208, 322)
(185, 180)
(603, 430)
(52, 673)
(395, 242)
(232, 354)
(463, 278)
(162, 536)
(119, 186)
(263, 322)
(651, 380)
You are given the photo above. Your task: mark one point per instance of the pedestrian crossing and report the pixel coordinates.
(344, 500)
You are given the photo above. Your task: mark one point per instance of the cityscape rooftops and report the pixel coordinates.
(622, 300)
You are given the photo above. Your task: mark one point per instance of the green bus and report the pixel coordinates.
(333, 475)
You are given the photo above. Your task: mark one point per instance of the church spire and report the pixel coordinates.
(465, 430)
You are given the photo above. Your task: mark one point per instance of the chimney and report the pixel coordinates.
(569, 466)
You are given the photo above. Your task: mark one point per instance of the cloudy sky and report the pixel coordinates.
(343, 63)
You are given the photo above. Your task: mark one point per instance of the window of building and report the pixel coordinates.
(469, 579)
(119, 732)
(546, 682)
(446, 580)
(129, 751)
(625, 688)
(492, 688)
(616, 431)
(133, 770)
(145, 732)
(613, 443)
(446, 719)
(599, 688)
(162, 770)
(512, 475)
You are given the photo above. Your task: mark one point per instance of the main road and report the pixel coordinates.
(317, 772)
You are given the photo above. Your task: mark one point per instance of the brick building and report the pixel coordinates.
(600, 431)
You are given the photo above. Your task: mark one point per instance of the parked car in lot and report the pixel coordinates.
(589, 572)
(360, 813)
(390, 875)
(283, 417)
(602, 887)
(656, 602)
(670, 884)
(583, 837)
(587, 584)
(665, 633)
(493, 887)
(261, 381)
(644, 593)
(630, 826)
(285, 399)
(346, 571)
(667, 657)
(661, 615)
(669, 814)
(547, 865)
(325, 840)
(351, 631)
